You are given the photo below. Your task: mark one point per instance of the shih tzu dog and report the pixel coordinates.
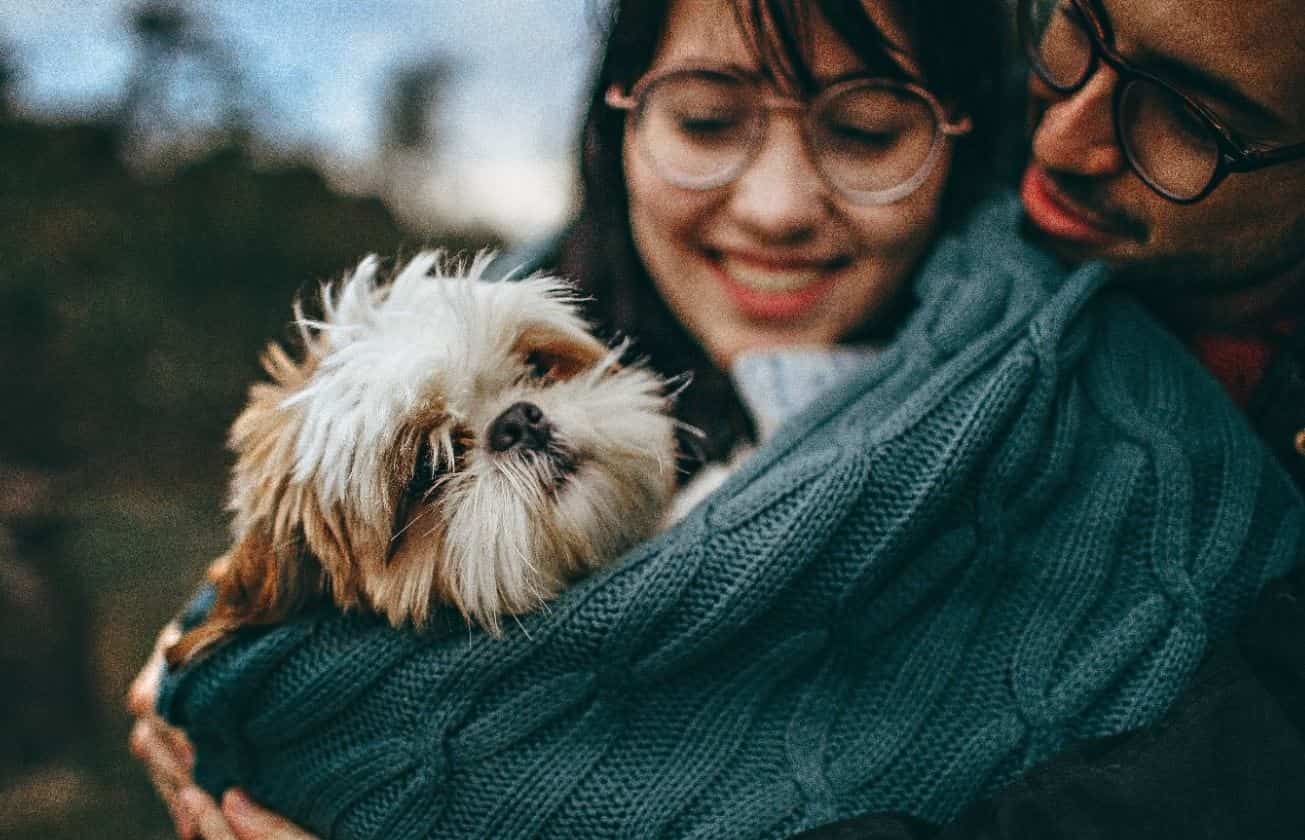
(444, 439)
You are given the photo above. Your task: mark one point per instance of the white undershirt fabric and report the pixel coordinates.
(773, 385)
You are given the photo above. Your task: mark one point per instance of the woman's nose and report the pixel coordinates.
(780, 195)
(1076, 132)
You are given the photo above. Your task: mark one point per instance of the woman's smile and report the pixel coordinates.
(772, 287)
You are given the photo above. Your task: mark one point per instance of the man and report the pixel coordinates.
(1168, 139)
(1125, 167)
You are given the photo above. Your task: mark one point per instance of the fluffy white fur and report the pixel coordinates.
(364, 470)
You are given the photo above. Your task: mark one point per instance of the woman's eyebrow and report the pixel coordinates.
(851, 75)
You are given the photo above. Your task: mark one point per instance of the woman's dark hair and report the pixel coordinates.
(959, 47)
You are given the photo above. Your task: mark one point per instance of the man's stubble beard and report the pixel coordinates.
(1236, 289)
(1237, 268)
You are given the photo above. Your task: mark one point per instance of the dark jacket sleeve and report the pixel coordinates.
(1228, 761)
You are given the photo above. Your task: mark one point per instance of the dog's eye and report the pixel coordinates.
(462, 440)
(435, 459)
(539, 365)
(423, 474)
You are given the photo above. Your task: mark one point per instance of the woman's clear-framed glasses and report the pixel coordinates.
(873, 140)
(1176, 145)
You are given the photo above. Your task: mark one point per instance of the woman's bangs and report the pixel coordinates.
(779, 34)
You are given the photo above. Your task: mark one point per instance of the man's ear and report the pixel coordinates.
(255, 587)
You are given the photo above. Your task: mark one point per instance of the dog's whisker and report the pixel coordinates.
(517, 620)
(413, 521)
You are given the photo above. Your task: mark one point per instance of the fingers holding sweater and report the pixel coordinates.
(164, 750)
(167, 758)
(205, 815)
(144, 688)
(249, 821)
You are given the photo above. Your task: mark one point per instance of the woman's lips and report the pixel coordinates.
(1053, 212)
(768, 289)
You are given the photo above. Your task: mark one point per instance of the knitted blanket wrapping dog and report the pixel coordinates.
(1019, 526)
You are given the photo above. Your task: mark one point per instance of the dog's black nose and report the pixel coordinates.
(522, 426)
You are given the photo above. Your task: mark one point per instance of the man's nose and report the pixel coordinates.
(1076, 132)
(780, 196)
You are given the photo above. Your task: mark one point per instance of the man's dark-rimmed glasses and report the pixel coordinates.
(1173, 142)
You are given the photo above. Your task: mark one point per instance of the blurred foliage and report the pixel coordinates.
(413, 100)
(133, 308)
(122, 298)
(186, 89)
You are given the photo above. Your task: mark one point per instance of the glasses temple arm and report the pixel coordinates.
(1260, 158)
(958, 128)
(618, 99)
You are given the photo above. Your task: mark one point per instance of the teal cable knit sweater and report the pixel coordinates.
(1019, 526)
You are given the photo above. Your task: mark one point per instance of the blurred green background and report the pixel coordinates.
(144, 261)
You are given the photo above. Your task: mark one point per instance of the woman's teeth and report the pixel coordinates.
(770, 280)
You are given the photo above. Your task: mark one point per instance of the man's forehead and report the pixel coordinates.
(1255, 48)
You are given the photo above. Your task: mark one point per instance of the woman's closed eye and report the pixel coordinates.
(707, 124)
(861, 135)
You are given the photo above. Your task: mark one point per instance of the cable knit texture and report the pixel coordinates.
(1020, 526)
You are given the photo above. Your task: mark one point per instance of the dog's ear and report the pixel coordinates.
(269, 573)
(254, 587)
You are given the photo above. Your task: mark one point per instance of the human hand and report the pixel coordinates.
(163, 749)
(238, 818)
(168, 758)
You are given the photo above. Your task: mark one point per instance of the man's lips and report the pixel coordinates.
(1055, 213)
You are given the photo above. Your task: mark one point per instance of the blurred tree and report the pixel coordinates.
(415, 98)
(7, 77)
(48, 706)
(185, 94)
(411, 139)
(132, 311)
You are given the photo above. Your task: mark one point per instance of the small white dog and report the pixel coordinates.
(443, 440)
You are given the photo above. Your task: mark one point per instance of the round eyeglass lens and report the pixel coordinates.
(874, 138)
(697, 130)
(1167, 142)
(1057, 41)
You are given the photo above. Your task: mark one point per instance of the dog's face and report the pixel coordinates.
(444, 439)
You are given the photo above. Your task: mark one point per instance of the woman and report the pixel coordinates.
(664, 260)
(720, 220)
